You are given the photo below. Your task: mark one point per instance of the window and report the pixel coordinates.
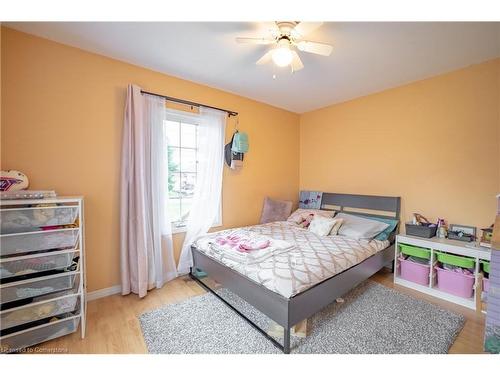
(182, 134)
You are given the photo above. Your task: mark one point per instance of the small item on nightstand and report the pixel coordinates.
(462, 233)
(420, 227)
(441, 229)
(419, 219)
(486, 236)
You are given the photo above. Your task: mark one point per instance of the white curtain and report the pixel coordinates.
(146, 248)
(207, 193)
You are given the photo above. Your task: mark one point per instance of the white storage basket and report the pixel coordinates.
(38, 241)
(30, 264)
(37, 311)
(37, 287)
(32, 336)
(27, 219)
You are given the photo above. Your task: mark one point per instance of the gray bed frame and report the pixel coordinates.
(287, 312)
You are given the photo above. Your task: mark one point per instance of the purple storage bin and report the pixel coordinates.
(486, 284)
(455, 283)
(415, 272)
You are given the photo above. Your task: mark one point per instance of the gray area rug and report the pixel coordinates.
(372, 319)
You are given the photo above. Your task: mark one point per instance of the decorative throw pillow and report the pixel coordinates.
(358, 227)
(275, 210)
(322, 226)
(301, 214)
(336, 227)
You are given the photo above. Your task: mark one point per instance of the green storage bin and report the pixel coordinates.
(415, 251)
(486, 266)
(455, 260)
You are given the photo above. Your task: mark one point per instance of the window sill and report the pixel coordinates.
(176, 230)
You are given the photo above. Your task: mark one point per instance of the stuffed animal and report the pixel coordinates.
(12, 180)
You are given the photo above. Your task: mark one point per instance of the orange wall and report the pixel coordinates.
(435, 143)
(62, 113)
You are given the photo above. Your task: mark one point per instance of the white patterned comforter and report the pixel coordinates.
(313, 258)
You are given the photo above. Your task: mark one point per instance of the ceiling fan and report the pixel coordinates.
(286, 36)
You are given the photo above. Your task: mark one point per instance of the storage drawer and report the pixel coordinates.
(45, 308)
(30, 264)
(415, 251)
(455, 260)
(37, 287)
(486, 266)
(19, 340)
(38, 241)
(415, 272)
(16, 220)
(455, 283)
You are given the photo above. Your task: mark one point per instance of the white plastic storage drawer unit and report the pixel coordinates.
(19, 243)
(46, 307)
(40, 262)
(37, 287)
(32, 336)
(16, 220)
(42, 293)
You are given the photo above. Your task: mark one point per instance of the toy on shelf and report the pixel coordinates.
(13, 180)
(442, 231)
(13, 185)
(486, 236)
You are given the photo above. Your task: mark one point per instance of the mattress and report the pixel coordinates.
(312, 259)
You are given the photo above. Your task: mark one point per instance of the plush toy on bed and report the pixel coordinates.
(12, 180)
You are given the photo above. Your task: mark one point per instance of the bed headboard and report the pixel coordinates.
(379, 206)
(367, 205)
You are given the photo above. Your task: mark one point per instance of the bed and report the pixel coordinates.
(293, 285)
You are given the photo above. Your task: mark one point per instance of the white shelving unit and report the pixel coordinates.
(42, 271)
(448, 246)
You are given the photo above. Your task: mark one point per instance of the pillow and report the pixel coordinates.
(336, 227)
(275, 210)
(384, 235)
(301, 214)
(359, 228)
(322, 226)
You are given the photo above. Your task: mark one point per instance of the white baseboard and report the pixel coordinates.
(101, 293)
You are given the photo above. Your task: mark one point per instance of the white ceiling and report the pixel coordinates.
(367, 57)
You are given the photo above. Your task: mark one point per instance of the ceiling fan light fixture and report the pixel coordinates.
(282, 55)
(287, 38)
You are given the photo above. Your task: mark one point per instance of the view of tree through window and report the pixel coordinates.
(182, 168)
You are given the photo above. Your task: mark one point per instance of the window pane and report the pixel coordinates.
(172, 130)
(174, 159)
(188, 181)
(185, 208)
(188, 160)
(174, 209)
(174, 185)
(188, 135)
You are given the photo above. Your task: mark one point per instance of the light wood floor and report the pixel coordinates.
(113, 327)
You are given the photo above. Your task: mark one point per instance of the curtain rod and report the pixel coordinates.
(187, 102)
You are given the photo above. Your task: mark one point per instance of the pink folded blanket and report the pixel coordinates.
(242, 243)
(245, 246)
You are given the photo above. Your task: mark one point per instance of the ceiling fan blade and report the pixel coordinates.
(266, 58)
(296, 62)
(315, 47)
(255, 40)
(268, 27)
(304, 28)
